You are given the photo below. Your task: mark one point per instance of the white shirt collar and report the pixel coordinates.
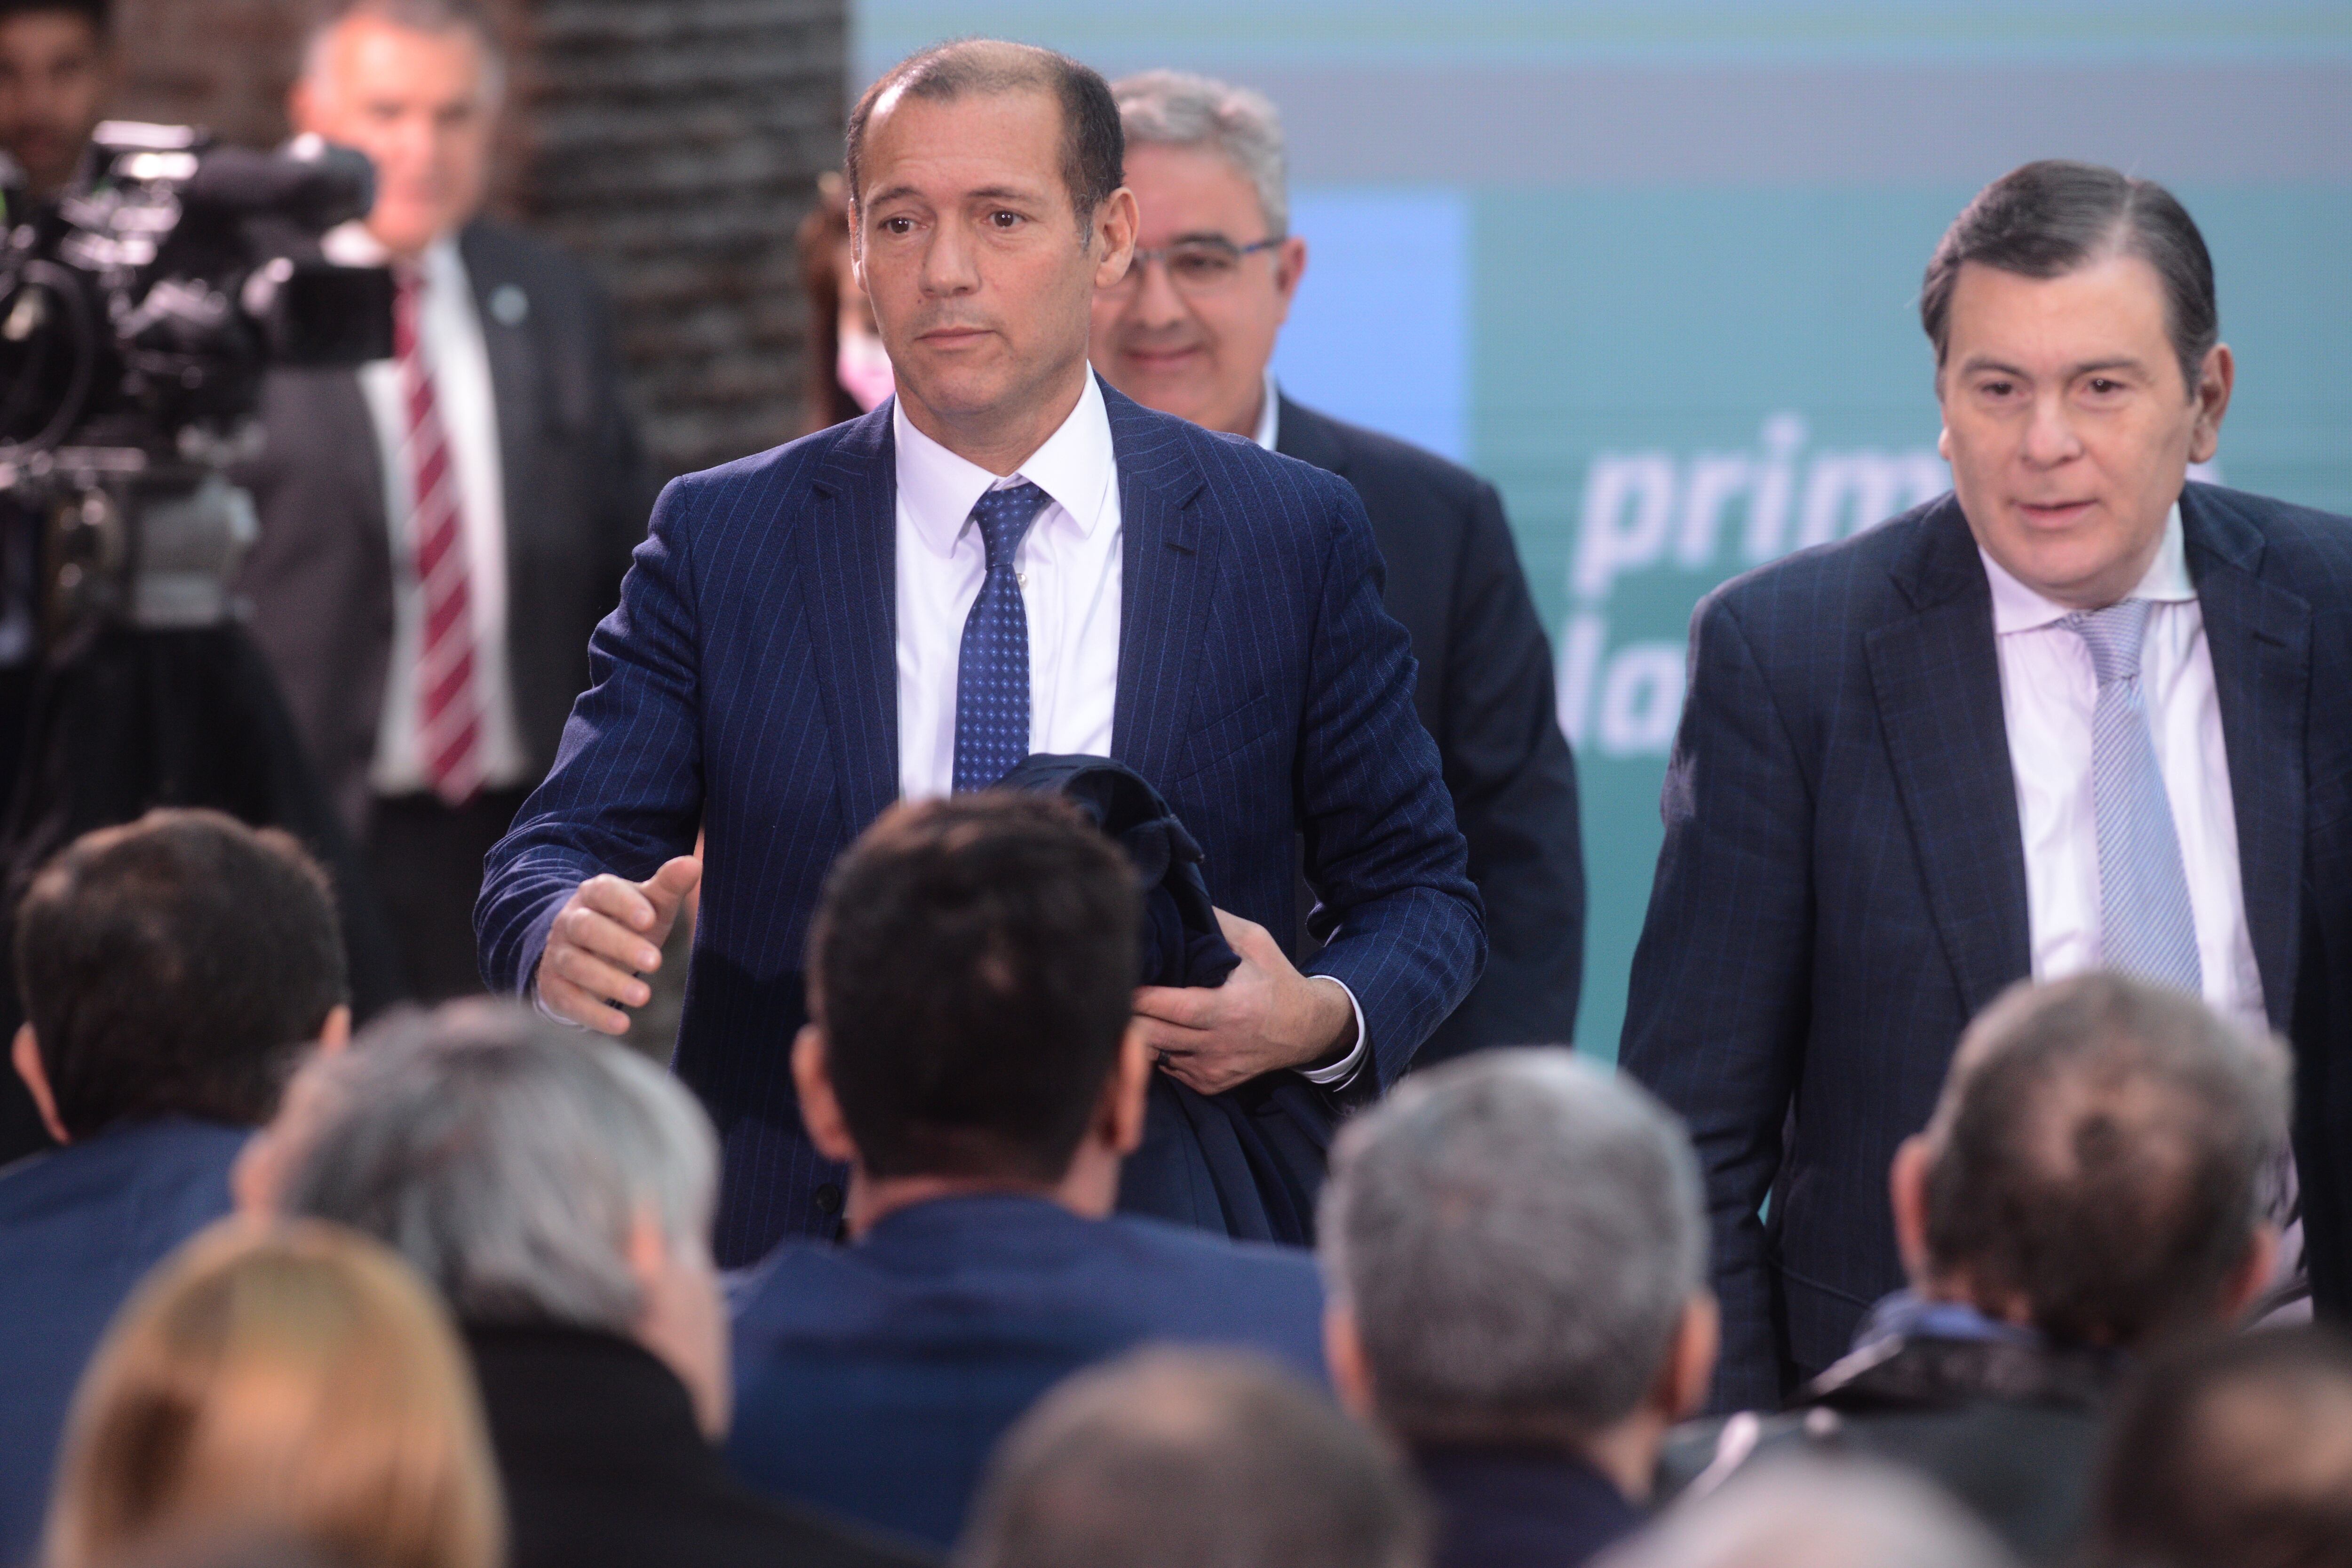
(2018, 609)
(1269, 417)
(1074, 468)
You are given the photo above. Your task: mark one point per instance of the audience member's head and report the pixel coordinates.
(414, 84)
(848, 370)
(986, 207)
(2234, 1454)
(1190, 1459)
(972, 975)
(173, 967)
(2096, 1166)
(2080, 371)
(57, 69)
(1816, 1512)
(1191, 328)
(295, 1382)
(1516, 1247)
(536, 1175)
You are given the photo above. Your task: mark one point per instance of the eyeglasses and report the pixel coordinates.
(1195, 266)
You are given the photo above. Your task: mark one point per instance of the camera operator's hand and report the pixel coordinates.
(607, 934)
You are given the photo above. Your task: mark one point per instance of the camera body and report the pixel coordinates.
(138, 317)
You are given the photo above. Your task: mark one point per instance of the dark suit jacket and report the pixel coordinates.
(1484, 692)
(575, 486)
(747, 684)
(1843, 887)
(1520, 1508)
(603, 1465)
(872, 1380)
(79, 1227)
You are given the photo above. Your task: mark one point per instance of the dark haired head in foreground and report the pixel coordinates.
(971, 1061)
(971, 974)
(2234, 1454)
(171, 972)
(1192, 1459)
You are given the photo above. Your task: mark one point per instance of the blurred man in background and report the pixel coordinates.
(57, 71)
(441, 531)
(1516, 1255)
(2090, 1188)
(171, 970)
(1182, 1458)
(1817, 1512)
(1190, 331)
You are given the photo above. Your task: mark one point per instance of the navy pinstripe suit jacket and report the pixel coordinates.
(1843, 887)
(746, 684)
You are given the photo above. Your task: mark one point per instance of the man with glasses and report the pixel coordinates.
(1190, 331)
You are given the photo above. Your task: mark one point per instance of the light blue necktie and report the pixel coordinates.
(991, 734)
(2147, 926)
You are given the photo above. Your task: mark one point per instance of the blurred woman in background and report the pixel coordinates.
(297, 1381)
(848, 370)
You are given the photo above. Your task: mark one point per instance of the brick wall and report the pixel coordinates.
(670, 144)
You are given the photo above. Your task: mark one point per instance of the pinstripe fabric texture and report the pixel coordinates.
(1843, 886)
(2145, 924)
(746, 684)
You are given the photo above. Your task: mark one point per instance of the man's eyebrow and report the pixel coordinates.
(1977, 364)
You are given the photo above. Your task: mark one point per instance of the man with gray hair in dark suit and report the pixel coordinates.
(441, 531)
(1516, 1253)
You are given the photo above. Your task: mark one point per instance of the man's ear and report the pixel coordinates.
(1121, 1118)
(1289, 266)
(26, 1054)
(336, 1032)
(820, 1107)
(1116, 223)
(2251, 1276)
(1689, 1368)
(2219, 376)
(1906, 1193)
(1343, 1352)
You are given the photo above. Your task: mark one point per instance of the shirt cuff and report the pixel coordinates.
(1346, 1067)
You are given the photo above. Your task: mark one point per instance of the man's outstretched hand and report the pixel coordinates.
(1265, 1017)
(608, 934)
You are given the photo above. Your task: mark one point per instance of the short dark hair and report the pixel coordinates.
(2231, 1454)
(973, 963)
(1094, 144)
(98, 14)
(2101, 1151)
(173, 965)
(2055, 216)
(1172, 1458)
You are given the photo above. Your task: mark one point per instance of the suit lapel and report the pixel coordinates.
(852, 604)
(1303, 434)
(2259, 638)
(1936, 676)
(1167, 573)
(513, 356)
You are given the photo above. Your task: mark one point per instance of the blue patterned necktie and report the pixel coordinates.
(2147, 926)
(991, 732)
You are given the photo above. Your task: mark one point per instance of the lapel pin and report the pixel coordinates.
(510, 305)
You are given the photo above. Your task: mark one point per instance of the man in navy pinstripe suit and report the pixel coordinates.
(2079, 714)
(1007, 557)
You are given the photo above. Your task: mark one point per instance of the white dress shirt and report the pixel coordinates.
(2048, 691)
(450, 331)
(1069, 566)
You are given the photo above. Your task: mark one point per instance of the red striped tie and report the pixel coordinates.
(448, 712)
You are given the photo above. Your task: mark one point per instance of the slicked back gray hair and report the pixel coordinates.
(416, 16)
(507, 1157)
(1177, 109)
(1517, 1236)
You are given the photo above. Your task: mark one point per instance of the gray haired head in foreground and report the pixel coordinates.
(1517, 1235)
(507, 1157)
(1191, 1458)
(1177, 109)
(1813, 1512)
